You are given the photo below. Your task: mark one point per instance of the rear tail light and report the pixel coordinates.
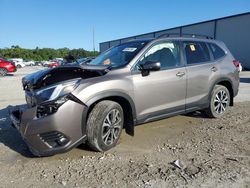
(236, 63)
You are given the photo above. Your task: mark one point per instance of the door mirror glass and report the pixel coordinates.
(151, 66)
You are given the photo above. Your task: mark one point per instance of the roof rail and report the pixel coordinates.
(184, 35)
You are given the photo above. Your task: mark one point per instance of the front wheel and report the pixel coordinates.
(219, 102)
(104, 125)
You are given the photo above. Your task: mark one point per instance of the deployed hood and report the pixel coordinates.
(53, 76)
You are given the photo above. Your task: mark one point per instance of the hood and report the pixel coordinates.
(60, 74)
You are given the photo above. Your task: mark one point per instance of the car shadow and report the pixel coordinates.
(10, 137)
(197, 114)
(245, 80)
(9, 74)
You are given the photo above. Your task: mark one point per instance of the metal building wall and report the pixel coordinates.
(169, 31)
(234, 31)
(202, 29)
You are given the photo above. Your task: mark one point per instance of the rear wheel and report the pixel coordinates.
(19, 66)
(219, 102)
(3, 72)
(104, 125)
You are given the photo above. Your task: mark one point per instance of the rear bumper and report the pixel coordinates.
(52, 134)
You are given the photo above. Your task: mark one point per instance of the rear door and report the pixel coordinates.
(161, 92)
(201, 71)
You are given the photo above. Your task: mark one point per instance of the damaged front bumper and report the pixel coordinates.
(53, 134)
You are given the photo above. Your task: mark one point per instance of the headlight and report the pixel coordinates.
(50, 107)
(53, 97)
(53, 92)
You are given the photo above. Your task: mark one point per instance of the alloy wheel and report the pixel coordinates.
(220, 102)
(111, 127)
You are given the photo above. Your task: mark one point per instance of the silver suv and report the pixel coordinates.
(132, 83)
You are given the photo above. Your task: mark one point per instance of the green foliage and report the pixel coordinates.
(38, 54)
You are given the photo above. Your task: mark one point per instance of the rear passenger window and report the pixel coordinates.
(196, 52)
(216, 51)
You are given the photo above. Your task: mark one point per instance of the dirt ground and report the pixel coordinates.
(211, 152)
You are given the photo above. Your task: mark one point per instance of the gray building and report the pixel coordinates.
(234, 31)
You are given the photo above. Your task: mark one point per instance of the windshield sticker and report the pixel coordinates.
(192, 47)
(129, 49)
(107, 62)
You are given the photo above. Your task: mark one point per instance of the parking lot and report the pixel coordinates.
(214, 152)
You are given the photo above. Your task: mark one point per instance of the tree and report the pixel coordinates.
(39, 54)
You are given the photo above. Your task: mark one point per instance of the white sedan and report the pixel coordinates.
(29, 63)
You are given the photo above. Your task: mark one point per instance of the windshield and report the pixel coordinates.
(119, 56)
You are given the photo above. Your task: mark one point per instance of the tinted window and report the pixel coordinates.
(216, 51)
(196, 52)
(167, 53)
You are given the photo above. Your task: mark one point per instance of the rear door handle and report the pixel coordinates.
(214, 69)
(180, 74)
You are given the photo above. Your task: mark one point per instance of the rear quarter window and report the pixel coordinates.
(196, 52)
(216, 51)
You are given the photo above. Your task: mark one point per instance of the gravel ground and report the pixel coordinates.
(210, 152)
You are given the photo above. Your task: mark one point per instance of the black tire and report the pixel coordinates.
(217, 108)
(97, 125)
(18, 66)
(3, 72)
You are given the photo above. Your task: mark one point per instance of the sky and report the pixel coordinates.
(70, 23)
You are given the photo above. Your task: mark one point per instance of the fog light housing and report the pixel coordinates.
(54, 139)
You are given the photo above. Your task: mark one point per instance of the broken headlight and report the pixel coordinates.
(50, 107)
(54, 97)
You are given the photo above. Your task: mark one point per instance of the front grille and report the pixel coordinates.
(54, 138)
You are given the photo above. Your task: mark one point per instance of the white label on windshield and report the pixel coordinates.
(129, 49)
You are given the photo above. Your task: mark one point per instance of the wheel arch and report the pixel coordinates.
(228, 84)
(126, 103)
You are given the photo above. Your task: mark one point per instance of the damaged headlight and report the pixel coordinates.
(55, 91)
(54, 97)
(50, 107)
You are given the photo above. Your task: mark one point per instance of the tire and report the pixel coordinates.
(3, 72)
(18, 66)
(219, 102)
(103, 131)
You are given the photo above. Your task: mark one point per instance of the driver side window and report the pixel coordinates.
(167, 53)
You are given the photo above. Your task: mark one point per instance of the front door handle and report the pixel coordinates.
(180, 74)
(214, 69)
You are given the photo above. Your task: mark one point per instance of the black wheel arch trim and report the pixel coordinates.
(216, 82)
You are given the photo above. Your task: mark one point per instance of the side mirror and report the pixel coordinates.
(150, 66)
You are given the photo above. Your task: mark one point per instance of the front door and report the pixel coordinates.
(161, 92)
